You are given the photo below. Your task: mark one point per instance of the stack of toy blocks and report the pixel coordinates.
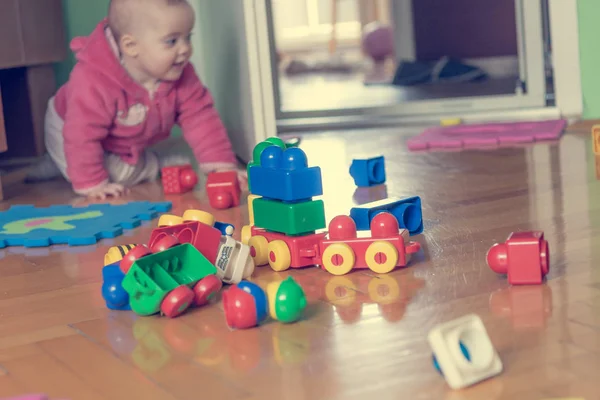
(282, 190)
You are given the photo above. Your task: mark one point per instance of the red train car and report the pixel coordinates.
(338, 251)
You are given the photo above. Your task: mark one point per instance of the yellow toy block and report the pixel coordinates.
(251, 198)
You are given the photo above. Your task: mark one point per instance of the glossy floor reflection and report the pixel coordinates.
(363, 335)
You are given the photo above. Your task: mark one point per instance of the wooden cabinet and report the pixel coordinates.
(33, 39)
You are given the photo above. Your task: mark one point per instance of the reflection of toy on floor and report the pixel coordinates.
(391, 293)
(527, 307)
(284, 219)
(247, 305)
(29, 226)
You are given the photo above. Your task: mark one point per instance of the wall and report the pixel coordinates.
(589, 14)
(80, 19)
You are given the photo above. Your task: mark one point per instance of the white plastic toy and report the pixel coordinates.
(463, 351)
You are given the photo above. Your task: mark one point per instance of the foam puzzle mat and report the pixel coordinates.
(478, 136)
(30, 226)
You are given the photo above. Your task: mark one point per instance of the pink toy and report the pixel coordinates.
(524, 257)
(486, 135)
(178, 179)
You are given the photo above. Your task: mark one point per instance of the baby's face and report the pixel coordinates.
(164, 40)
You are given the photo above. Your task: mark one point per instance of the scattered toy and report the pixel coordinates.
(524, 257)
(463, 352)
(368, 172)
(178, 179)
(223, 190)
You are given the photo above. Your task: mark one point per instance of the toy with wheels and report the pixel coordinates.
(338, 251)
(232, 258)
(169, 281)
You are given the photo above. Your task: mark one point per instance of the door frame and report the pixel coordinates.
(564, 36)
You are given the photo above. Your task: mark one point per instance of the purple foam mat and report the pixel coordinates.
(487, 135)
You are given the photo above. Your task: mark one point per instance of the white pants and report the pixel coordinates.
(147, 168)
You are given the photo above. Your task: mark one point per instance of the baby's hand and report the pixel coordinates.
(110, 189)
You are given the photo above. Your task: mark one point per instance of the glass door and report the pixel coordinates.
(350, 59)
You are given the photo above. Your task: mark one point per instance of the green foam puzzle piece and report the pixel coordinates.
(289, 218)
(151, 278)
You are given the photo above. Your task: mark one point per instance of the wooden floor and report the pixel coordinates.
(364, 336)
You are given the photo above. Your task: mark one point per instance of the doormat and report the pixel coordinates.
(485, 136)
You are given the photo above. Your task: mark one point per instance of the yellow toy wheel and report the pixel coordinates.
(381, 257)
(259, 250)
(200, 216)
(340, 291)
(169, 220)
(280, 258)
(384, 290)
(339, 259)
(246, 234)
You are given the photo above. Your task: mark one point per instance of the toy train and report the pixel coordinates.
(339, 250)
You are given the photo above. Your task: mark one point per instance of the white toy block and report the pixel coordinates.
(459, 371)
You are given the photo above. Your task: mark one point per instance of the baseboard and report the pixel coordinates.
(496, 67)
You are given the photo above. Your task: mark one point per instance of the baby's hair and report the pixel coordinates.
(121, 13)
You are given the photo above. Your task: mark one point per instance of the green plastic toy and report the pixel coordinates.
(289, 218)
(150, 279)
(287, 300)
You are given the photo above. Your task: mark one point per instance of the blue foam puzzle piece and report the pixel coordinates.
(407, 211)
(30, 226)
(114, 295)
(368, 172)
(284, 175)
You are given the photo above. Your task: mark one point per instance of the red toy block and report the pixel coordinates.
(178, 179)
(223, 189)
(206, 239)
(524, 257)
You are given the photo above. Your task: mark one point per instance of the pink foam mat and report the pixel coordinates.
(487, 135)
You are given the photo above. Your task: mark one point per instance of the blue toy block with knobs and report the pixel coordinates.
(284, 175)
(368, 172)
(407, 211)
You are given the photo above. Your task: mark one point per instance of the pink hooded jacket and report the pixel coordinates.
(105, 110)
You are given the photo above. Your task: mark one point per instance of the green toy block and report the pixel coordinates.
(289, 218)
(151, 278)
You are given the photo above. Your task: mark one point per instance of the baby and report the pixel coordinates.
(132, 83)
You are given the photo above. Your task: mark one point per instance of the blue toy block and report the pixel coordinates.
(29, 226)
(225, 228)
(369, 172)
(114, 295)
(284, 175)
(407, 211)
